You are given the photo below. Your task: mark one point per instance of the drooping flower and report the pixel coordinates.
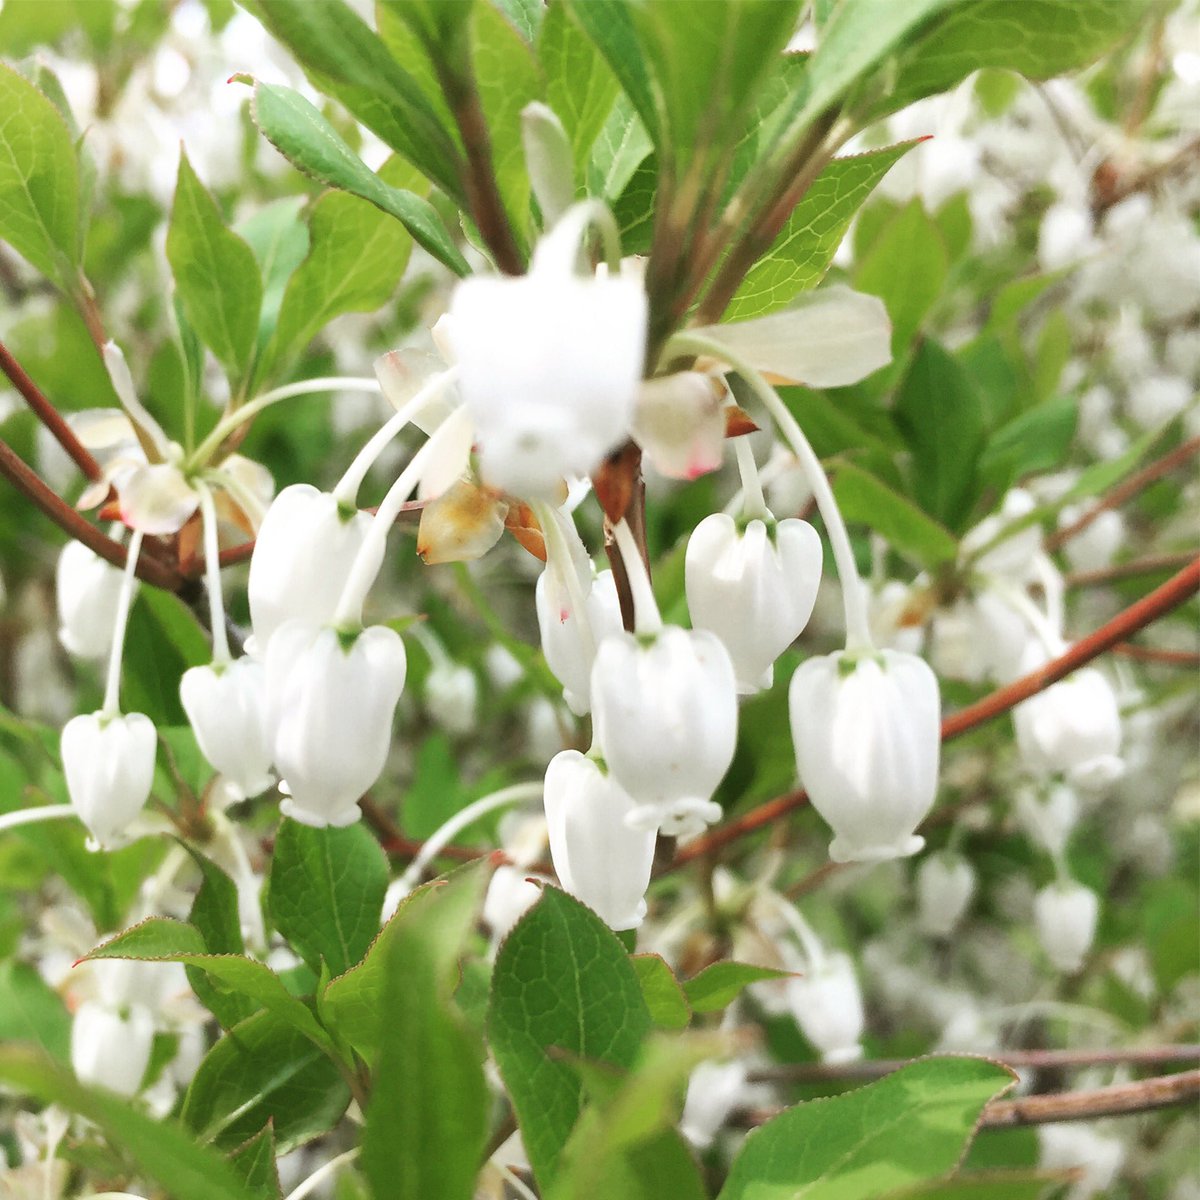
(945, 885)
(827, 1005)
(1065, 914)
(86, 591)
(754, 588)
(110, 1048)
(598, 857)
(331, 697)
(866, 730)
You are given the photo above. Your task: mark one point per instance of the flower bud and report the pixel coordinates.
(1073, 727)
(945, 885)
(754, 589)
(550, 364)
(226, 706)
(827, 1005)
(331, 698)
(867, 736)
(1065, 914)
(111, 1048)
(86, 588)
(109, 766)
(452, 696)
(569, 649)
(665, 713)
(306, 546)
(599, 858)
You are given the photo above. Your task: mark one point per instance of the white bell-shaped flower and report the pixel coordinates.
(599, 858)
(1094, 1158)
(945, 885)
(714, 1091)
(754, 588)
(109, 765)
(569, 642)
(550, 364)
(86, 590)
(826, 1003)
(679, 423)
(331, 697)
(110, 1047)
(866, 730)
(509, 897)
(1012, 557)
(305, 548)
(226, 705)
(1073, 728)
(452, 696)
(1065, 914)
(665, 713)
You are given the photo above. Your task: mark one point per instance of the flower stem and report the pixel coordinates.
(447, 832)
(362, 574)
(346, 492)
(44, 812)
(112, 687)
(854, 594)
(231, 422)
(559, 558)
(646, 617)
(754, 504)
(212, 576)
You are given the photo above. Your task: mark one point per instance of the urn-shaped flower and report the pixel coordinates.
(1065, 913)
(598, 857)
(111, 1048)
(331, 697)
(866, 733)
(945, 885)
(665, 713)
(109, 765)
(754, 588)
(570, 638)
(827, 1005)
(306, 545)
(86, 590)
(226, 705)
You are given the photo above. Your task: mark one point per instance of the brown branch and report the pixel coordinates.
(49, 415)
(1157, 654)
(1118, 1100)
(875, 1068)
(30, 485)
(1151, 565)
(1125, 491)
(1178, 589)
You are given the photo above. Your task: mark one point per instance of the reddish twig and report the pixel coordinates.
(49, 415)
(1152, 565)
(1118, 1100)
(1178, 589)
(30, 485)
(875, 1068)
(1125, 491)
(1157, 654)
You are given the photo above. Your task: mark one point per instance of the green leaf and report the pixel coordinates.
(326, 892)
(215, 273)
(991, 1185)
(163, 939)
(664, 997)
(1038, 38)
(621, 147)
(427, 1122)
(39, 181)
(906, 268)
(215, 914)
(162, 1151)
(279, 239)
(1016, 295)
(580, 86)
(1034, 441)
(909, 1127)
(163, 640)
(351, 63)
(254, 1162)
(801, 254)
(865, 500)
(562, 980)
(32, 1011)
(941, 415)
(302, 135)
(264, 1070)
(355, 262)
(720, 984)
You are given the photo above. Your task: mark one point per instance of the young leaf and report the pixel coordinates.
(428, 1117)
(39, 181)
(31, 1011)
(162, 1151)
(254, 1162)
(326, 892)
(720, 984)
(805, 247)
(264, 1070)
(912, 533)
(215, 273)
(562, 981)
(301, 134)
(664, 997)
(907, 1128)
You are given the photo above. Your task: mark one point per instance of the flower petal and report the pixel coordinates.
(155, 499)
